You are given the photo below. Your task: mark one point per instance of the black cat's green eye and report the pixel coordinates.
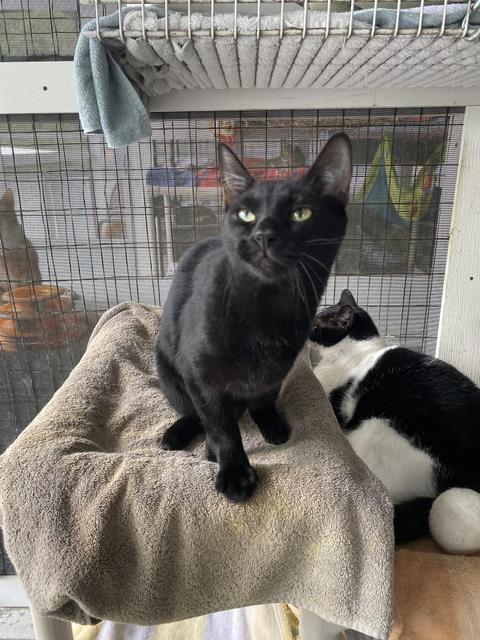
(302, 214)
(246, 216)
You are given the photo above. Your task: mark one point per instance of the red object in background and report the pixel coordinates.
(210, 176)
(276, 173)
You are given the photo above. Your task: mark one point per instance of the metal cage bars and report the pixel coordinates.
(465, 31)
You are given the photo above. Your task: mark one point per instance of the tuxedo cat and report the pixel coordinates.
(413, 419)
(241, 307)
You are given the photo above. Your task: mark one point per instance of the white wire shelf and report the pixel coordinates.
(320, 31)
(419, 11)
(170, 45)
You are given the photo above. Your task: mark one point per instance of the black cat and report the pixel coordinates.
(241, 307)
(413, 419)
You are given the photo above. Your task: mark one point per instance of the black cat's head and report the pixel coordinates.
(272, 226)
(344, 319)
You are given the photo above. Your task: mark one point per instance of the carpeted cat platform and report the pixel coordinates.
(102, 524)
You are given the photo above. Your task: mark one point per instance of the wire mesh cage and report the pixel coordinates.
(42, 29)
(89, 226)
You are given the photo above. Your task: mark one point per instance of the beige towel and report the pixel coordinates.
(102, 524)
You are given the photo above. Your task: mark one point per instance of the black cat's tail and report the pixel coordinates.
(452, 519)
(411, 519)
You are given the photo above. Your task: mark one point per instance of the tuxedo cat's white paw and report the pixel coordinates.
(455, 521)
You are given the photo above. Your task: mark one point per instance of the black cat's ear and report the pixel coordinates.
(333, 168)
(348, 298)
(7, 201)
(235, 177)
(341, 319)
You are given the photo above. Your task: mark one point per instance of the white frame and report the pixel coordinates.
(30, 96)
(50, 628)
(459, 315)
(12, 593)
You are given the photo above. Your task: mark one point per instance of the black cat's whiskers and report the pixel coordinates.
(226, 298)
(319, 262)
(319, 279)
(310, 271)
(323, 241)
(314, 288)
(299, 290)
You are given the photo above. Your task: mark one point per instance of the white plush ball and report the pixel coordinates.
(455, 521)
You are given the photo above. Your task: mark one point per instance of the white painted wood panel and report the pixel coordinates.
(312, 627)
(12, 593)
(459, 330)
(48, 87)
(50, 628)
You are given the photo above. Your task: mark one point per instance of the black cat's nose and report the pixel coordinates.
(265, 238)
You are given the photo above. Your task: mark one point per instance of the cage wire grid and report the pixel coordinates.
(42, 29)
(49, 29)
(111, 225)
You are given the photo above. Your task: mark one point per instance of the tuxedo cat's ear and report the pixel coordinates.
(235, 177)
(333, 168)
(341, 319)
(347, 298)
(7, 201)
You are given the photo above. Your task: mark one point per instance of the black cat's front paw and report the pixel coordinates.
(236, 482)
(209, 455)
(181, 433)
(276, 433)
(273, 427)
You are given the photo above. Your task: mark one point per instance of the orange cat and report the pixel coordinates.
(18, 258)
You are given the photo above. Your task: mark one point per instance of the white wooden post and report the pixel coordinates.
(312, 627)
(50, 628)
(459, 329)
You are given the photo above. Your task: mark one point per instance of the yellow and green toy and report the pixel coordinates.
(383, 193)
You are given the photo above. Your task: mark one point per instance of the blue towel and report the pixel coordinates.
(107, 101)
(432, 16)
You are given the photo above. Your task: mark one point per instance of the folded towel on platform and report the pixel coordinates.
(101, 523)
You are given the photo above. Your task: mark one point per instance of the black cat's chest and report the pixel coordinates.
(264, 320)
(249, 359)
(248, 372)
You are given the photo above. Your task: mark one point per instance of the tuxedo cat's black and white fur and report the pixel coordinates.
(413, 419)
